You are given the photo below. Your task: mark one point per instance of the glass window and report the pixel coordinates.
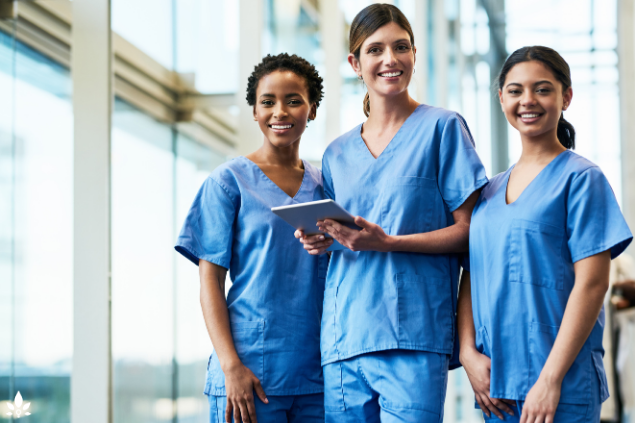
(36, 239)
(142, 269)
(148, 24)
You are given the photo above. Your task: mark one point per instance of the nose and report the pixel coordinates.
(528, 98)
(280, 110)
(389, 57)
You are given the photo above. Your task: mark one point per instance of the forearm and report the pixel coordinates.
(216, 317)
(583, 307)
(452, 239)
(465, 319)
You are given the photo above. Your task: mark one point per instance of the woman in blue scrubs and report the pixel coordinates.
(542, 236)
(412, 173)
(266, 334)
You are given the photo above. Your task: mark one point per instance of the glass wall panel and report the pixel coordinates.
(7, 217)
(205, 31)
(36, 238)
(142, 268)
(153, 34)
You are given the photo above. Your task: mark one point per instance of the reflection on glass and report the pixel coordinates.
(142, 270)
(36, 245)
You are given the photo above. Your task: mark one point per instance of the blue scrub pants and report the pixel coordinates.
(280, 409)
(386, 386)
(566, 412)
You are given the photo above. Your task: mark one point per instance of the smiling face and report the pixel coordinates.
(386, 60)
(533, 99)
(282, 107)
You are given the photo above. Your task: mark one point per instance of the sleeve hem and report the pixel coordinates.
(194, 257)
(457, 203)
(621, 244)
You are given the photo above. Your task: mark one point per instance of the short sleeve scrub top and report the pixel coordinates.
(522, 274)
(275, 301)
(376, 301)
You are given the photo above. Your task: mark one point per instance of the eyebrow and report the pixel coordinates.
(286, 96)
(536, 83)
(401, 40)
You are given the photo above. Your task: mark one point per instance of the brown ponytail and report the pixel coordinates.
(559, 67)
(369, 20)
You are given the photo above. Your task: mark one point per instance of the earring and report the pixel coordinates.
(360, 78)
(414, 70)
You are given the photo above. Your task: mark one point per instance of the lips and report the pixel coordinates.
(390, 74)
(280, 126)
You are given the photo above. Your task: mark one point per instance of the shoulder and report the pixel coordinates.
(338, 145)
(438, 115)
(576, 164)
(313, 172)
(228, 176)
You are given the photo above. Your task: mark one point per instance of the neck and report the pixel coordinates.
(386, 111)
(541, 148)
(287, 157)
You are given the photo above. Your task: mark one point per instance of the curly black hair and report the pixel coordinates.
(293, 63)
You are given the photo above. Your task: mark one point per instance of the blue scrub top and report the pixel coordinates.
(397, 300)
(275, 301)
(521, 260)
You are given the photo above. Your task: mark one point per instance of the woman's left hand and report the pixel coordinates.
(541, 402)
(371, 236)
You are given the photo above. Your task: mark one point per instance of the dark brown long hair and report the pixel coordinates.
(560, 68)
(369, 20)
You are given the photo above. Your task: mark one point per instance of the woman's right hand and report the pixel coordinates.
(315, 245)
(478, 366)
(240, 385)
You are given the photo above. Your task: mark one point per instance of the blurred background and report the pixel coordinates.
(113, 112)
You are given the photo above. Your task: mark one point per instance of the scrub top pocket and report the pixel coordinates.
(249, 342)
(408, 205)
(536, 254)
(425, 321)
(576, 386)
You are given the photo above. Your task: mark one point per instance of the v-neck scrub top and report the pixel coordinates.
(398, 300)
(521, 260)
(275, 301)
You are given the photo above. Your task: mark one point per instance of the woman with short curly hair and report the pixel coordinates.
(266, 334)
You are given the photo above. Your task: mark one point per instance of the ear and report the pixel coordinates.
(313, 112)
(354, 64)
(254, 112)
(566, 98)
(500, 98)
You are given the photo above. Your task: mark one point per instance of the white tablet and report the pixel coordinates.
(303, 216)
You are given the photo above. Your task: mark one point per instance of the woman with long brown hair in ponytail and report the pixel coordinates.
(541, 240)
(411, 172)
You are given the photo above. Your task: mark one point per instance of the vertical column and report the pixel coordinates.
(496, 58)
(626, 67)
(250, 54)
(441, 56)
(420, 29)
(332, 32)
(91, 66)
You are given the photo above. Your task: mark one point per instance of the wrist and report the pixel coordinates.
(391, 243)
(230, 364)
(467, 353)
(550, 377)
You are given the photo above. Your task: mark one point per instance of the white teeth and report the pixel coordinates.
(391, 74)
(529, 115)
(281, 127)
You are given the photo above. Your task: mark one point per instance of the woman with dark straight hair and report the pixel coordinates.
(411, 171)
(541, 240)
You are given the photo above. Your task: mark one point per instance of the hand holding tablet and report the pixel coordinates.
(304, 216)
